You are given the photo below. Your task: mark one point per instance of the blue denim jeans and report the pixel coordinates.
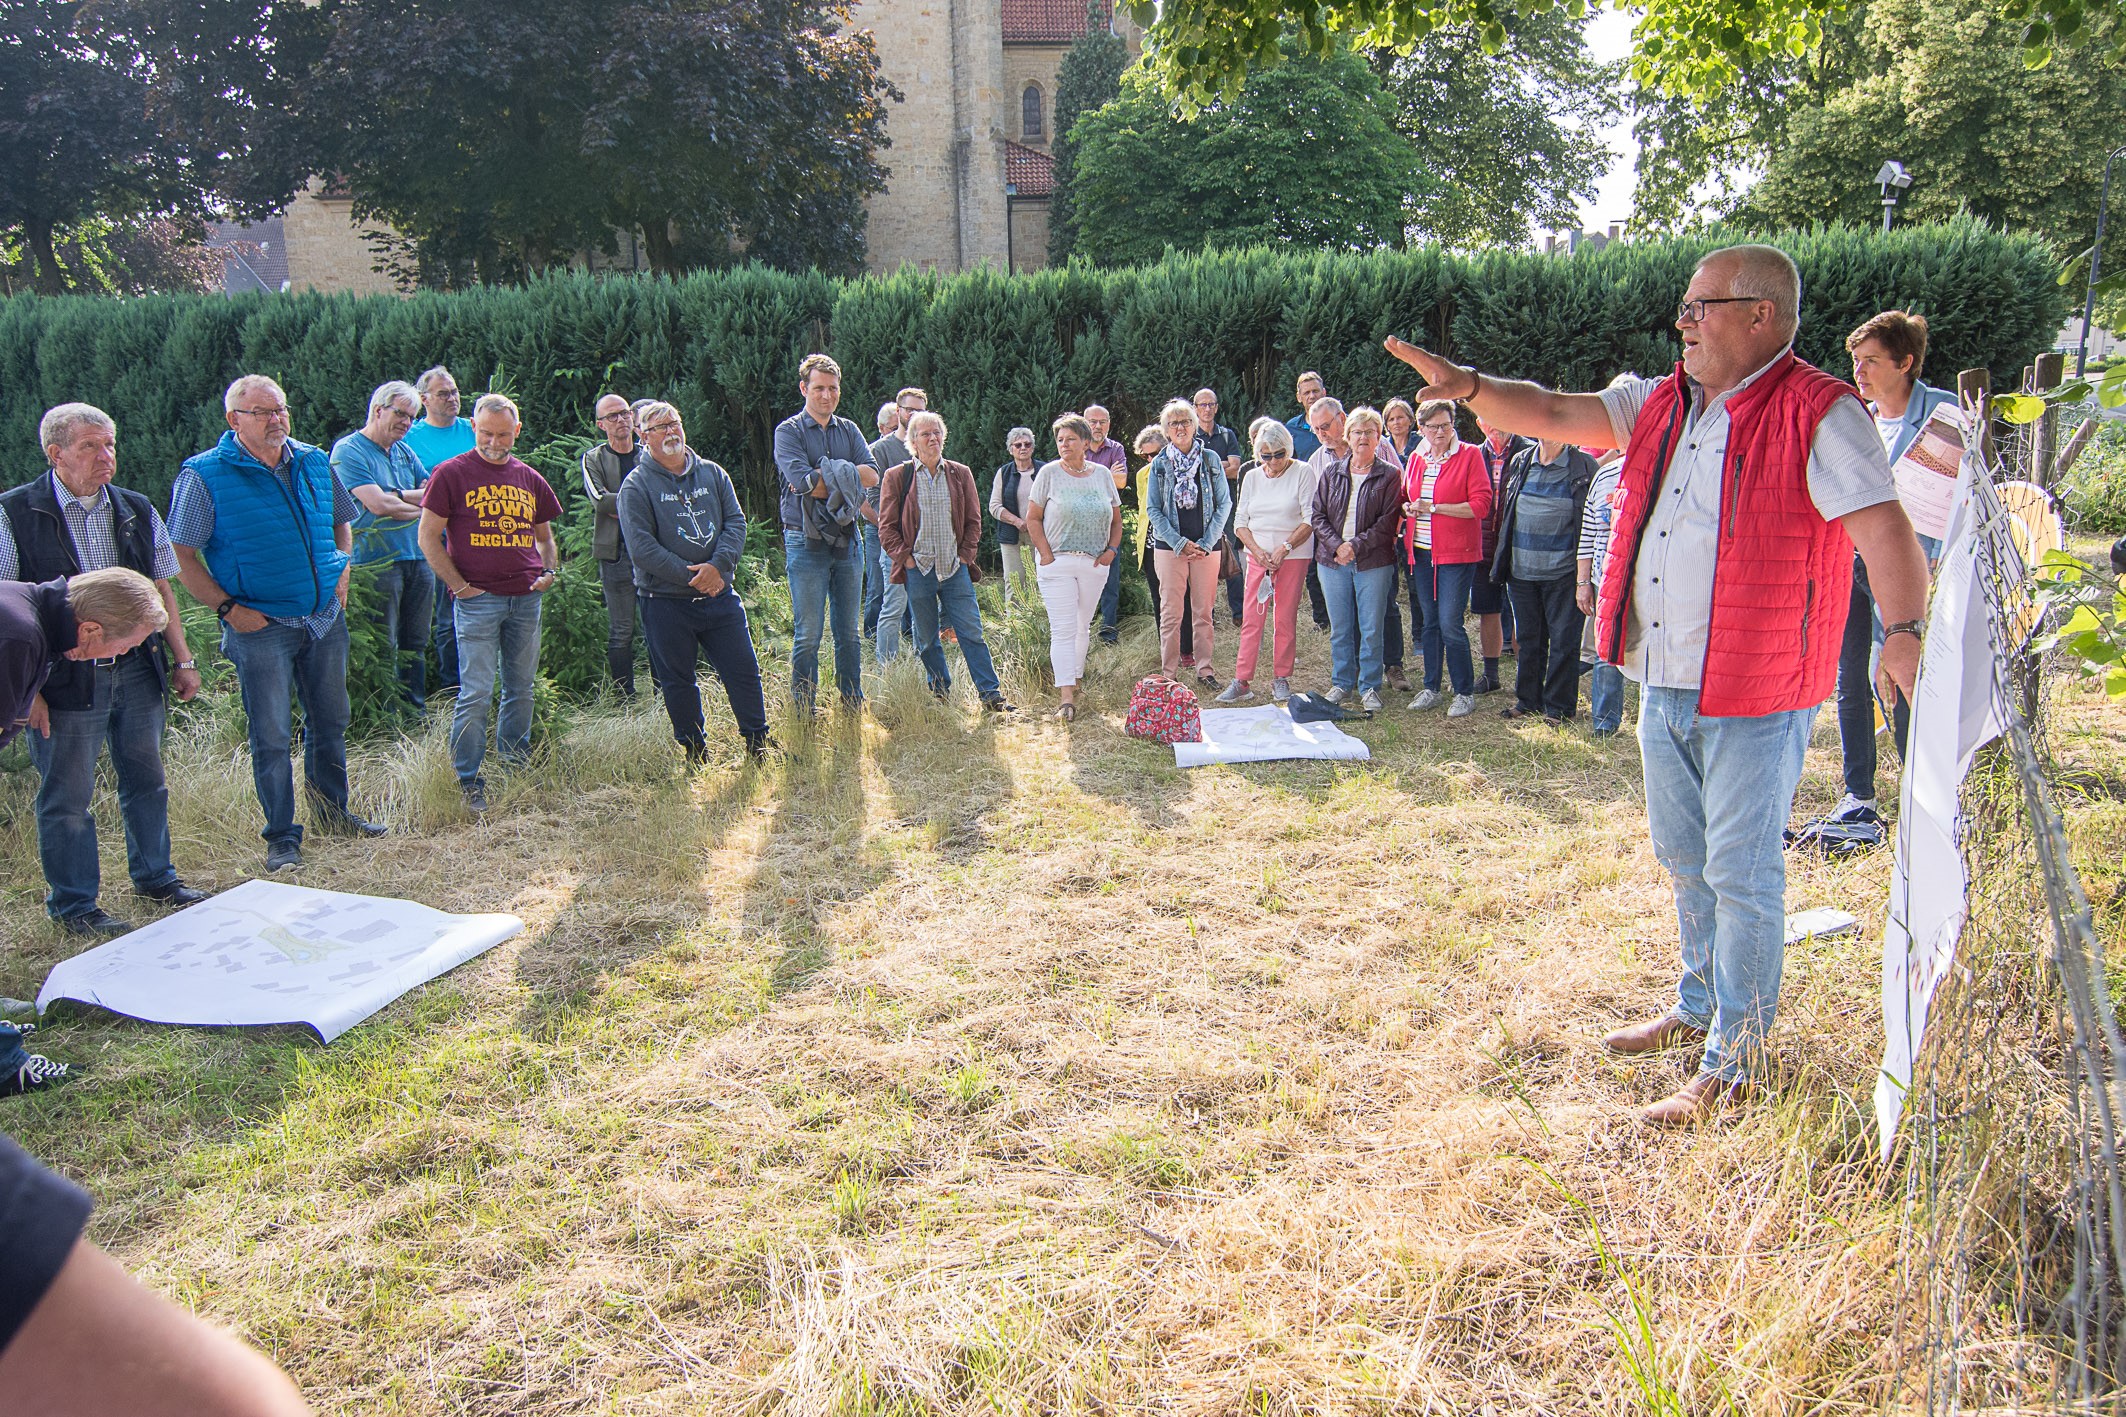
(874, 580)
(12, 1054)
(444, 636)
(826, 584)
(1605, 696)
(408, 590)
(953, 597)
(681, 633)
(1439, 600)
(277, 667)
(498, 637)
(127, 714)
(894, 625)
(1358, 609)
(1718, 791)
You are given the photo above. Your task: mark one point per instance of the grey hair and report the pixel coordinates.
(1174, 406)
(503, 402)
(924, 415)
(1270, 436)
(428, 376)
(245, 383)
(1026, 433)
(649, 413)
(60, 426)
(1362, 417)
(390, 392)
(879, 418)
(1764, 273)
(1332, 405)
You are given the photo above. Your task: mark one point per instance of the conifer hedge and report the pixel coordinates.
(992, 351)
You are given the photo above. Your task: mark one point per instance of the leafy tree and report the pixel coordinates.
(1943, 88)
(504, 136)
(1508, 141)
(134, 111)
(1089, 76)
(1306, 155)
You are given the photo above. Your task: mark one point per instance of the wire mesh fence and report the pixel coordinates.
(2015, 1243)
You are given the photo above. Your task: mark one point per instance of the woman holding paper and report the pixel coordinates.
(1888, 351)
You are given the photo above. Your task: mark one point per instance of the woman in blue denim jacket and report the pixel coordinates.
(1190, 506)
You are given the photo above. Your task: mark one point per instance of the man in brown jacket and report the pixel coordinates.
(929, 526)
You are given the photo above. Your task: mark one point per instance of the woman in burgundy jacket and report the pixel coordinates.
(1357, 508)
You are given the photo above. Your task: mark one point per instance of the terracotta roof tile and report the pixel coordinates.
(1030, 170)
(1050, 21)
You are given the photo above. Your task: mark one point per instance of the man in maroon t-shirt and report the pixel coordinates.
(487, 530)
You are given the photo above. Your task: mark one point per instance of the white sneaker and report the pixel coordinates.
(1280, 689)
(1462, 707)
(1370, 701)
(1428, 699)
(1850, 807)
(1337, 694)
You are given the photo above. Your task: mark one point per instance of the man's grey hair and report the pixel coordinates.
(388, 394)
(1764, 273)
(651, 412)
(879, 419)
(924, 416)
(1270, 436)
(244, 387)
(1093, 408)
(502, 402)
(1334, 406)
(429, 376)
(62, 425)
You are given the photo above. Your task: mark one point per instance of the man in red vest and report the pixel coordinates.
(1750, 477)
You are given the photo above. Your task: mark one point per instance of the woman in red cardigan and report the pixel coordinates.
(1446, 496)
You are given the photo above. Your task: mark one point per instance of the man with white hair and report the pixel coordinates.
(263, 529)
(930, 526)
(71, 521)
(384, 476)
(487, 530)
(1749, 479)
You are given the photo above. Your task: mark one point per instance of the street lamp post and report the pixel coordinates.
(1892, 179)
(2096, 261)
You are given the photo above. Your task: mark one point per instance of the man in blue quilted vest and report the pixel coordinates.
(263, 529)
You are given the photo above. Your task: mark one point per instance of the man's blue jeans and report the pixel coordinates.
(127, 714)
(954, 598)
(825, 584)
(874, 580)
(1718, 791)
(894, 622)
(1358, 608)
(276, 667)
(498, 636)
(1440, 597)
(1605, 696)
(408, 591)
(444, 637)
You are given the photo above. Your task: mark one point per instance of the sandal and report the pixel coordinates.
(1068, 713)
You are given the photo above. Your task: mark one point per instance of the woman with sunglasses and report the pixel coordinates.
(1007, 507)
(1276, 495)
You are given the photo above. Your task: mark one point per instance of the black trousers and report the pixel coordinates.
(1546, 679)
(683, 632)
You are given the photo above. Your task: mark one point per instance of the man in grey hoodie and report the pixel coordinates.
(684, 532)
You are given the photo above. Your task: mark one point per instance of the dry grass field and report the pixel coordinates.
(956, 1065)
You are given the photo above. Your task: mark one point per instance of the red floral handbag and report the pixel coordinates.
(1163, 711)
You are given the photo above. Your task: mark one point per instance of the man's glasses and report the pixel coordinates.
(1691, 312)
(281, 412)
(621, 417)
(660, 427)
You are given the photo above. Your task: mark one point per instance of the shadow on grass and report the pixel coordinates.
(814, 856)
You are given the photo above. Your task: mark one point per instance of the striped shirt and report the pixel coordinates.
(94, 526)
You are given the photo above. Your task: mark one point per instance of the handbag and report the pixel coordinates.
(1228, 558)
(1162, 710)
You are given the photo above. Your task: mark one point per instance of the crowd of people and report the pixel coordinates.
(1728, 536)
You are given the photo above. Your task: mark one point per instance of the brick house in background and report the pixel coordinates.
(970, 166)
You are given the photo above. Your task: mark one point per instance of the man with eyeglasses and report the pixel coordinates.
(386, 478)
(884, 600)
(1749, 479)
(72, 521)
(1226, 444)
(1309, 390)
(605, 467)
(440, 435)
(1110, 454)
(264, 533)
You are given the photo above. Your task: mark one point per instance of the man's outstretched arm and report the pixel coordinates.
(1508, 403)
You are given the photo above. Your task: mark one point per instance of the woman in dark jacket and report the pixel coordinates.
(1007, 508)
(1357, 512)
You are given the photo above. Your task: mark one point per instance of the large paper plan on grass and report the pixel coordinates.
(1263, 735)
(265, 952)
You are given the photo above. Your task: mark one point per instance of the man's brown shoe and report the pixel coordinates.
(1696, 1101)
(1667, 1031)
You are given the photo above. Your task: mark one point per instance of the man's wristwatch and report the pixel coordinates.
(1917, 629)
(188, 664)
(221, 611)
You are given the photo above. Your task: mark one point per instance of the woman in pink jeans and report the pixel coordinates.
(1271, 522)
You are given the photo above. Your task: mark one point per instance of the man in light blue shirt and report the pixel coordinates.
(435, 439)
(385, 476)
